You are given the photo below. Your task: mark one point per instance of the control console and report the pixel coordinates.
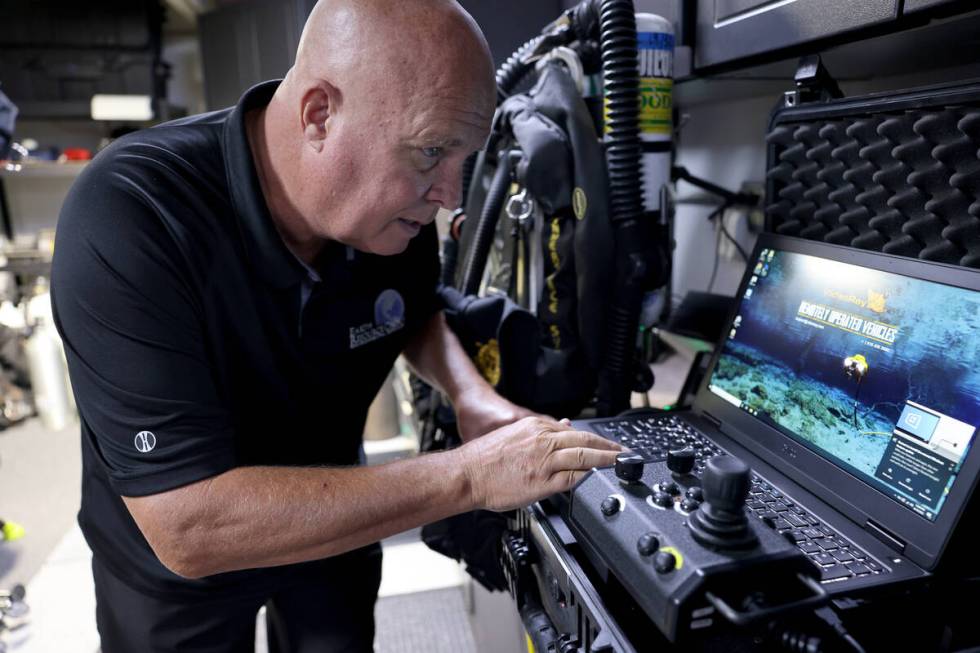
(681, 544)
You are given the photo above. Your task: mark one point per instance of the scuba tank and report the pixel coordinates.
(46, 364)
(655, 53)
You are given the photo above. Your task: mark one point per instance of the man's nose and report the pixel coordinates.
(448, 187)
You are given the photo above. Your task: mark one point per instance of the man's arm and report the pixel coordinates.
(264, 516)
(438, 357)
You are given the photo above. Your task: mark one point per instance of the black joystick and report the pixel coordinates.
(721, 522)
(629, 467)
(680, 461)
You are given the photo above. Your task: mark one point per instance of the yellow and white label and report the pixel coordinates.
(656, 104)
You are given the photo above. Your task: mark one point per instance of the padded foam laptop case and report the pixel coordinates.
(892, 172)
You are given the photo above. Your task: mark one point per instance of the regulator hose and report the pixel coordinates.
(450, 246)
(508, 76)
(617, 38)
(450, 256)
(485, 228)
(468, 166)
(512, 71)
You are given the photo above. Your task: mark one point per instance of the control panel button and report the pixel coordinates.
(663, 499)
(648, 544)
(690, 505)
(670, 488)
(610, 506)
(694, 493)
(664, 561)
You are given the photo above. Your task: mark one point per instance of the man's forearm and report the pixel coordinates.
(265, 516)
(438, 357)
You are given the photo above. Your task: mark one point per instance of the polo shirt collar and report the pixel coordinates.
(264, 247)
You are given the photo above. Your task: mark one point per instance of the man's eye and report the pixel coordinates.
(432, 152)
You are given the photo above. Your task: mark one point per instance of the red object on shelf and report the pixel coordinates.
(76, 154)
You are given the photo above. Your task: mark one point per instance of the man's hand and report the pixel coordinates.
(480, 410)
(529, 460)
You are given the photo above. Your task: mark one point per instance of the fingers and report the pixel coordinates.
(579, 459)
(565, 481)
(566, 439)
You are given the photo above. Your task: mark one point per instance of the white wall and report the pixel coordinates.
(723, 143)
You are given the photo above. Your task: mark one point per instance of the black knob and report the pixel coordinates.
(663, 499)
(609, 506)
(690, 505)
(681, 461)
(725, 483)
(664, 561)
(648, 544)
(694, 493)
(629, 466)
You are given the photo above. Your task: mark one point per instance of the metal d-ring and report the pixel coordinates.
(520, 207)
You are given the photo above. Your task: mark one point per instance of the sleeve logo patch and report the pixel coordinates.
(145, 441)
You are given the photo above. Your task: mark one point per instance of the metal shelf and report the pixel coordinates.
(68, 170)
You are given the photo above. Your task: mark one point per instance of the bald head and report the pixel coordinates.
(358, 45)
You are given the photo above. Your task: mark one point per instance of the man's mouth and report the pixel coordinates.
(412, 225)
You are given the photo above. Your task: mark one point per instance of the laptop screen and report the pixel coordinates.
(874, 371)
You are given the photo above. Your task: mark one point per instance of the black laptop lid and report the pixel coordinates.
(855, 373)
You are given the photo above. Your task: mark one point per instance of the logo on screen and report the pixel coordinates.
(876, 301)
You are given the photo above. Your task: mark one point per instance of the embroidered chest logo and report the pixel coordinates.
(145, 441)
(389, 316)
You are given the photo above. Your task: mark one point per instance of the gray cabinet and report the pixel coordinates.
(729, 30)
(912, 6)
(507, 24)
(247, 43)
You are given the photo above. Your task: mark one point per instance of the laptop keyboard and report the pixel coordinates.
(651, 437)
(837, 557)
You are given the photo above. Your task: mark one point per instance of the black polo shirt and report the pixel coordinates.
(197, 342)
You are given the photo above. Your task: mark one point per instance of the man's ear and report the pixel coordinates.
(319, 105)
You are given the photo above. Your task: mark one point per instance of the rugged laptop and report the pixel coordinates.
(848, 381)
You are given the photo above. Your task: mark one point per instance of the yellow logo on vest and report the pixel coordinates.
(488, 361)
(579, 202)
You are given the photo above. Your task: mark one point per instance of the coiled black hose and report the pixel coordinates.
(483, 238)
(617, 34)
(617, 27)
(512, 71)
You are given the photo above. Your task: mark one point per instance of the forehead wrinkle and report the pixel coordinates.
(436, 121)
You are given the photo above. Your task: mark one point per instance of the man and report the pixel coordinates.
(232, 290)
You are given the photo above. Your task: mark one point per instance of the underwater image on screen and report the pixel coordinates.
(875, 371)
